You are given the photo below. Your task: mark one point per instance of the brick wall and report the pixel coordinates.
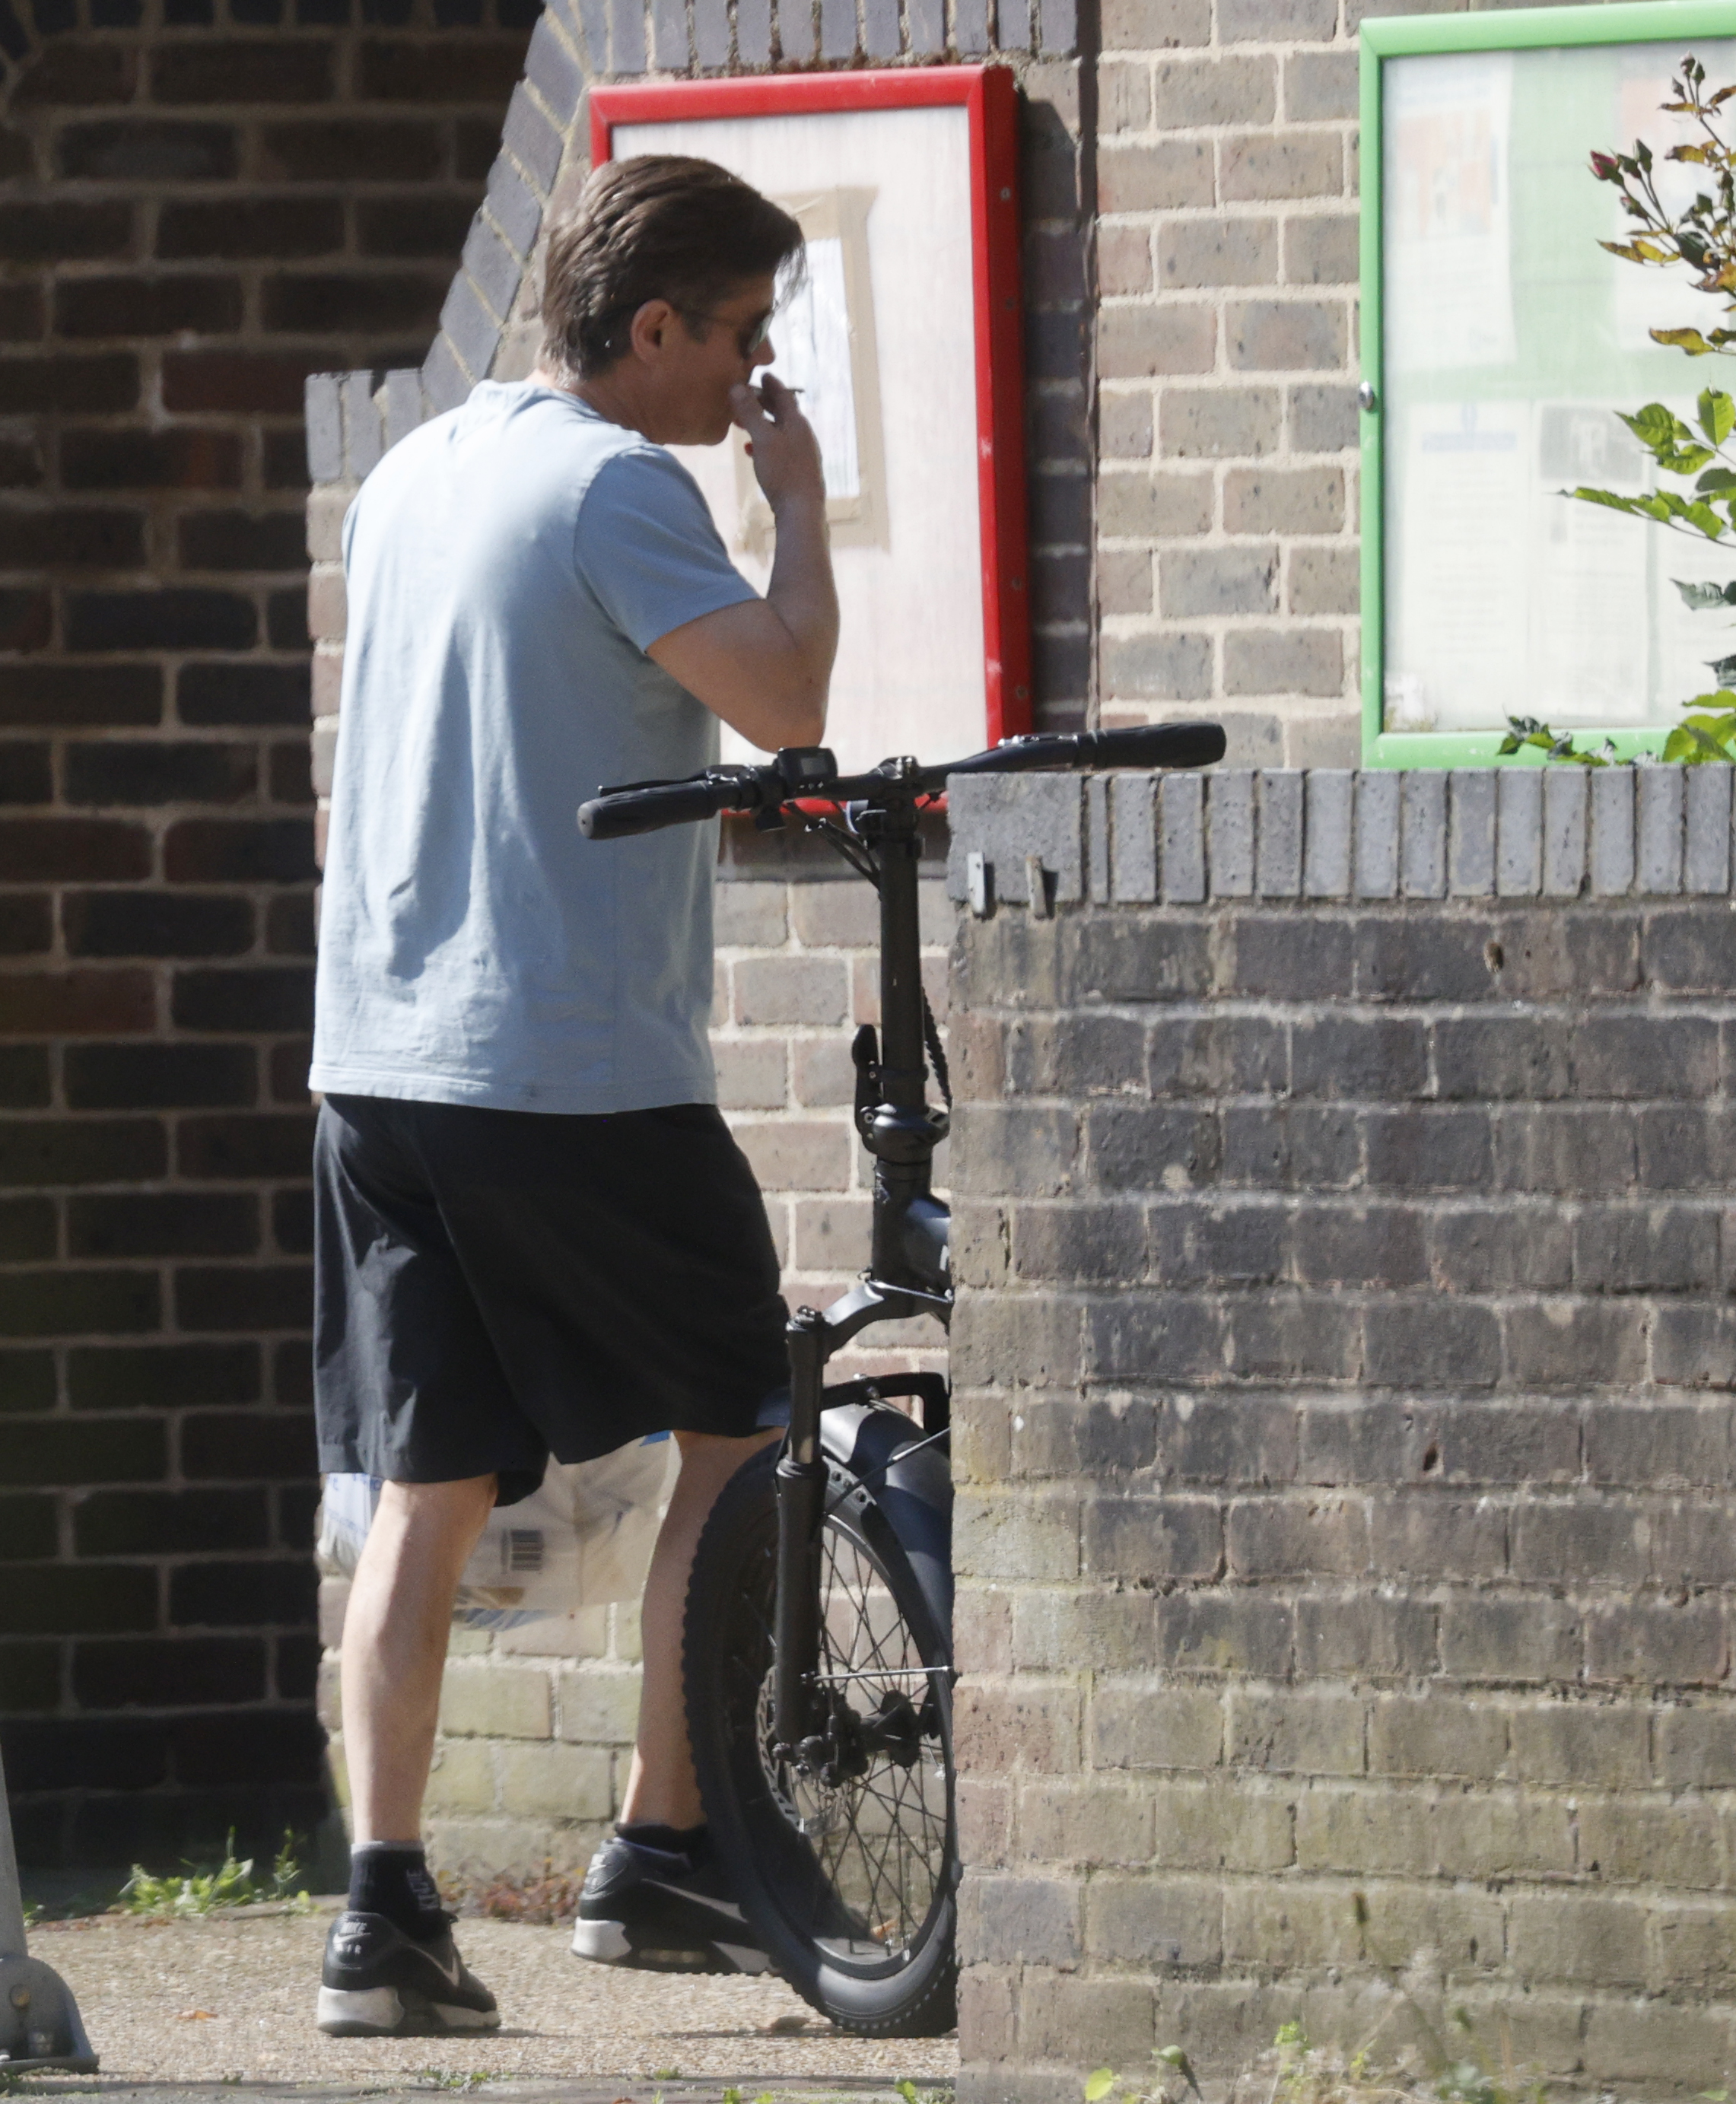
(1228, 257)
(795, 930)
(198, 208)
(1344, 1361)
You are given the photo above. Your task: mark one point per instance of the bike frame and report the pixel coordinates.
(909, 1269)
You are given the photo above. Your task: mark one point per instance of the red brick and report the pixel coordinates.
(33, 536)
(267, 380)
(69, 696)
(26, 623)
(173, 459)
(422, 71)
(287, 69)
(47, 850)
(36, 1153)
(368, 299)
(420, 224)
(22, 314)
(76, 1004)
(78, 76)
(244, 1146)
(239, 850)
(30, 384)
(21, 463)
(351, 150)
(250, 226)
(63, 231)
(148, 150)
(243, 540)
(26, 925)
(147, 306)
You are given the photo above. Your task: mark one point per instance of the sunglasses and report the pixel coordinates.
(748, 338)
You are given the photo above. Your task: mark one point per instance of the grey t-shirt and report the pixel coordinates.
(507, 565)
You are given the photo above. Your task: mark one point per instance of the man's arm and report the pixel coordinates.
(763, 666)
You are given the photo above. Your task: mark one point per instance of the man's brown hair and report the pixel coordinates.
(656, 226)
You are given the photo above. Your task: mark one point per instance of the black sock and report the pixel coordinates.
(672, 1840)
(391, 1878)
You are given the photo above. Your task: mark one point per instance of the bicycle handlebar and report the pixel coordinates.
(800, 772)
(1147, 745)
(620, 812)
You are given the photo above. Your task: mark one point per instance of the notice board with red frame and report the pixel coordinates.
(906, 341)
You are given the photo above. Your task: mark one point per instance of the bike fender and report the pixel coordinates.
(912, 1486)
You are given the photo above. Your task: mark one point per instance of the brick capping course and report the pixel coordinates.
(1134, 838)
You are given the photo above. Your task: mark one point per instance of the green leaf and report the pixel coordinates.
(1694, 745)
(1684, 460)
(1098, 2085)
(1715, 480)
(1689, 340)
(1655, 426)
(1717, 415)
(1608, 498)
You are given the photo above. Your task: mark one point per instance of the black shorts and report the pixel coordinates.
(493, 1287)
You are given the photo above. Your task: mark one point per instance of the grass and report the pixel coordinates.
(1456, 2067)
(1296, 2070)
(231, 1884)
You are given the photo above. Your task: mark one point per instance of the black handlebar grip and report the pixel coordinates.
(645, 810)
(1155, 745)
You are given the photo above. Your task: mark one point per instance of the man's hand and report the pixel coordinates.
(785, 453)
(763, 666)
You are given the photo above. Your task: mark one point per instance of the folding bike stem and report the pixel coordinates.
(909, 1273)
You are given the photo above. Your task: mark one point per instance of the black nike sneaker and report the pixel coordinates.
(663, 1911)
(377, 1982)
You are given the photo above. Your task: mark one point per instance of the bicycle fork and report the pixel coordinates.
(801, 1490)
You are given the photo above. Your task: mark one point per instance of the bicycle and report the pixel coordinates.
(817, 1651)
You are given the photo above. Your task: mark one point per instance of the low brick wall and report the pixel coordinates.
(1345, 1351)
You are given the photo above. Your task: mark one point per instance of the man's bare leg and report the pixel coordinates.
(662, 1790)
(395, 1628)
(390, 1968)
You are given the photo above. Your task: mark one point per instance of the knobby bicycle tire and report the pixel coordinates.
(851, 1888)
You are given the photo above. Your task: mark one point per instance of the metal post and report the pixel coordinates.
(40, 2027)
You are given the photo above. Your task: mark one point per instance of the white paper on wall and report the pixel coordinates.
(910, 671)
(1449, 283)
(1510, 339)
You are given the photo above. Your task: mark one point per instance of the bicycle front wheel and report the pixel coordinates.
(848, 1876)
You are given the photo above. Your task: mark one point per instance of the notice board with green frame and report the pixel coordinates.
(1499, 340)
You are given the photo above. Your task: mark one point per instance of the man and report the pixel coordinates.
(534, 1233)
